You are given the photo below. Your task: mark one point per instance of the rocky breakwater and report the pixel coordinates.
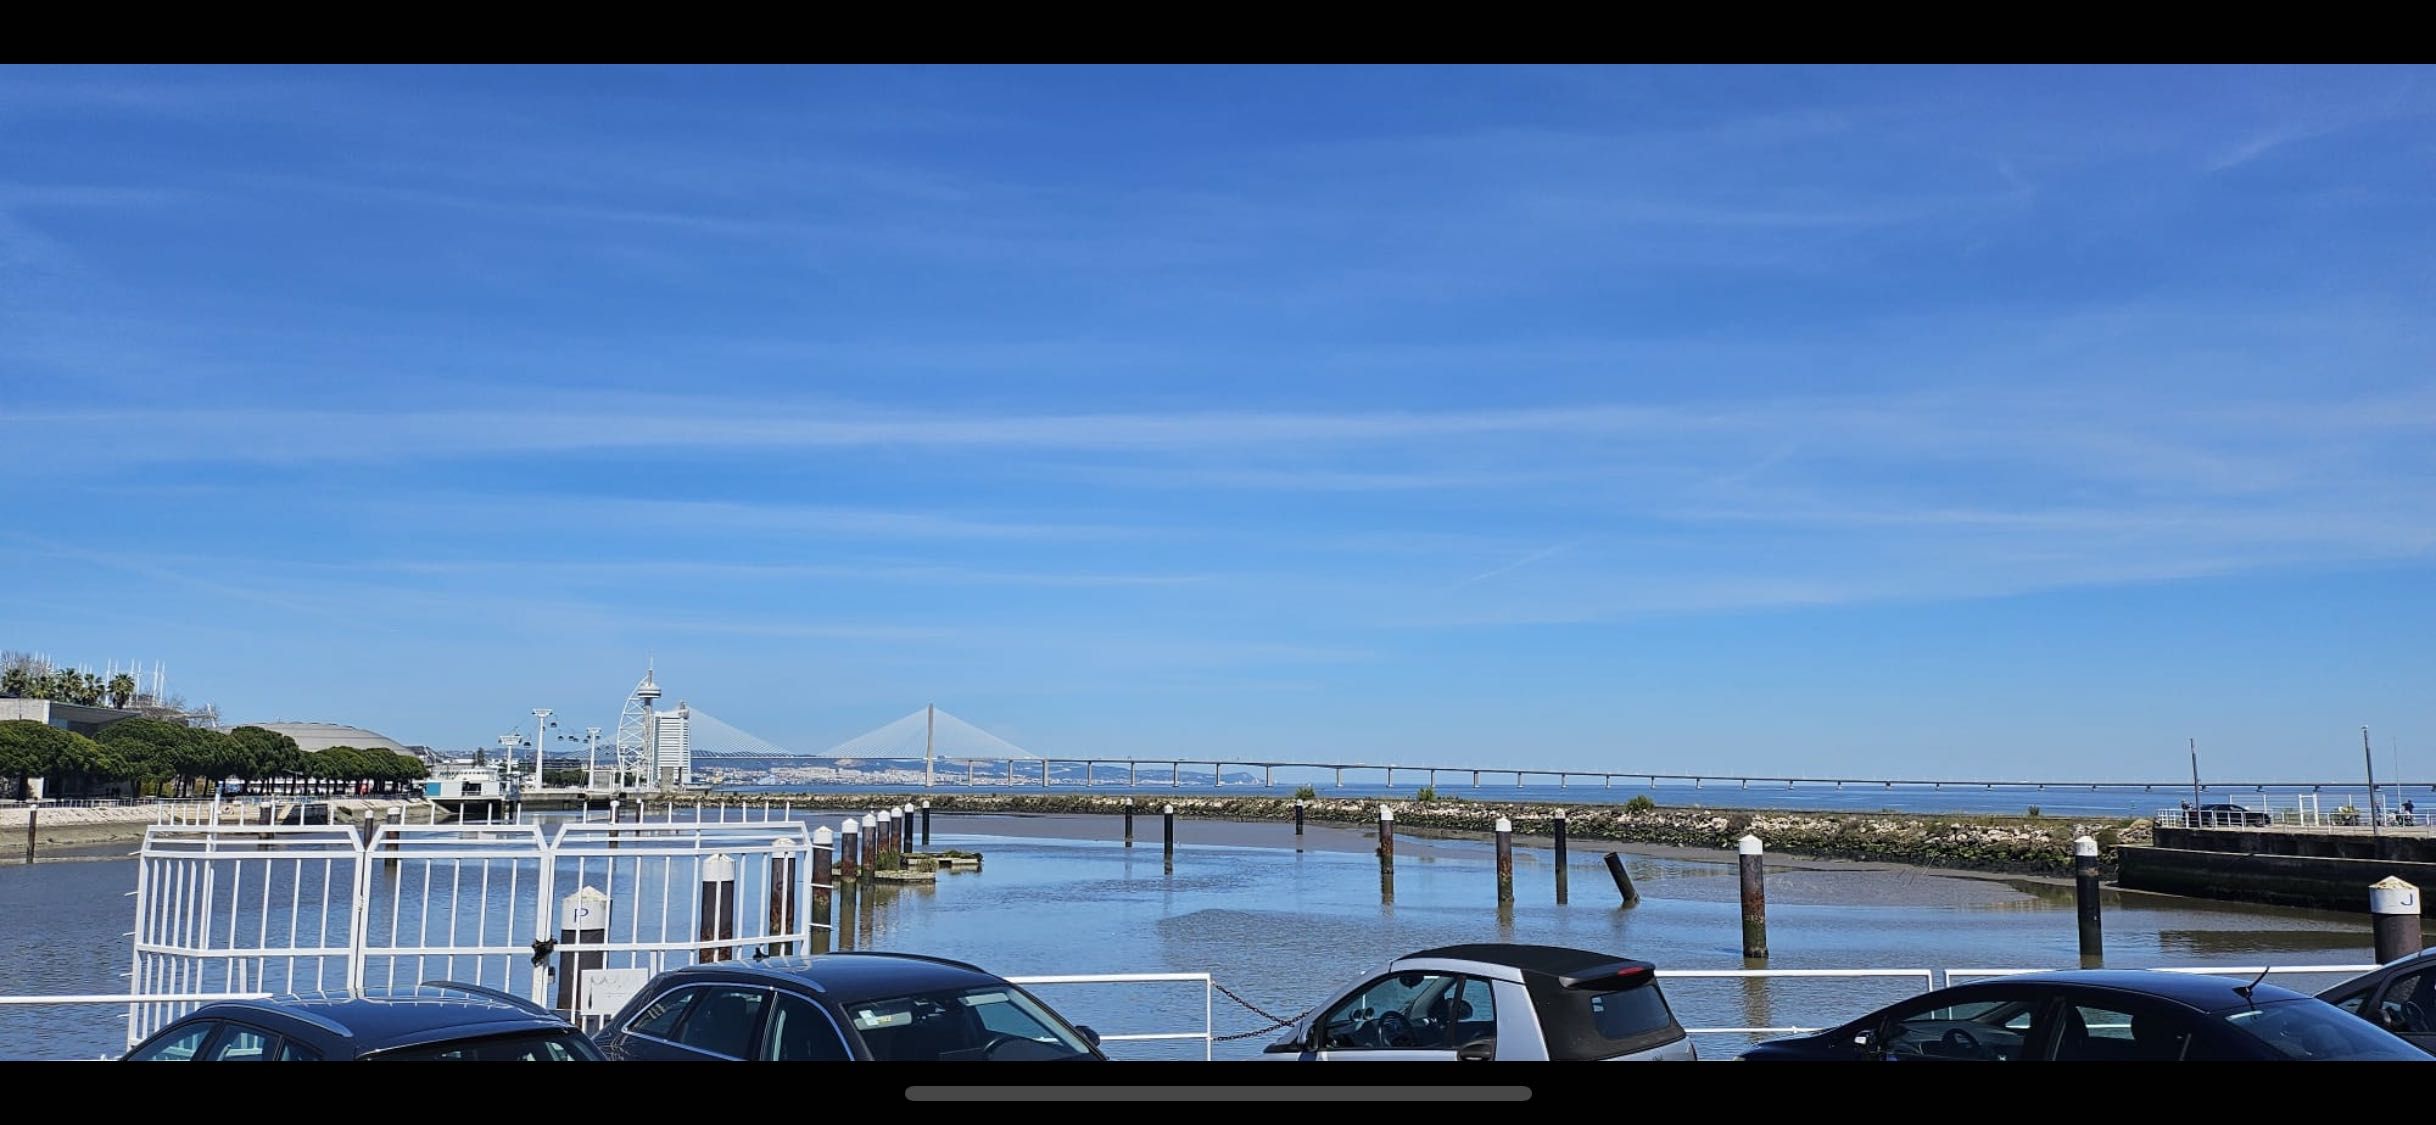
(2019, 844)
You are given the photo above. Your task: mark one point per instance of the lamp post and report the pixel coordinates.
(2369, 756)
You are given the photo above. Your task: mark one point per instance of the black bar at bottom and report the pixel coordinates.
(1218, 1093)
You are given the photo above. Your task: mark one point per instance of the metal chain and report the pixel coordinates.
(1275, 1021)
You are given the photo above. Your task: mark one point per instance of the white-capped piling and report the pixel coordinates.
(824, 871)
(1753, 859)
(718, 908)
(2394, 912)
(583, 919)
(2085, 875)
(1505, 863)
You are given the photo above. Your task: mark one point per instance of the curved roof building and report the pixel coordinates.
(311, 737)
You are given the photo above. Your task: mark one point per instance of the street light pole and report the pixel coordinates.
(2371, 758)
(541, 738)
(2195, 798)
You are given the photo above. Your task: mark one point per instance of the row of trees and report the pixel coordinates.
(66, 685)
(24, 675)
(171, 759)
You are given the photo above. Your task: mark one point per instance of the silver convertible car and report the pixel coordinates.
(1494, 1002)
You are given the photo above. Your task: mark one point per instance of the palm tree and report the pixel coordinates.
(122, 689)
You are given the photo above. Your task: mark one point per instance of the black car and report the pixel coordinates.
(434, 1022)
(2400, 997)
(839, 1007)
(2227, 816)
(2100, 1015)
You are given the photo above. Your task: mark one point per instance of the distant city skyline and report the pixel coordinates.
(1915, 421)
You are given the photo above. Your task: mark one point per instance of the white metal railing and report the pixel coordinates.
(1927, 979)
(240, 908)
(2312, 811)
(1208, 985)
(1954, 975)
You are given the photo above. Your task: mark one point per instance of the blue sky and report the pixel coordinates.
(1938, 422)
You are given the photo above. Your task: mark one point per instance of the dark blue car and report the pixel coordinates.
(435, 1022)
(841, 1007)
(2101, 1016)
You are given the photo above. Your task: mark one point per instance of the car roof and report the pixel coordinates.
(2204, 991)
(1530, 960)
(2423, 959)
(383, 1018)
(851, 976)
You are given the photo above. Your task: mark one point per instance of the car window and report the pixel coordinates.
(800, 1032)
(293, 1051)
(548, 1046)
(1631, 1013)
(963, 1025)
(2314, 1030)
(1993, 1029)
(1402, 1011)
(2352, 1002)
(2407, 1002)
(659, 1018)
(177, 1045)
(724, 1021)
(2108, 1032)
(241, 1044)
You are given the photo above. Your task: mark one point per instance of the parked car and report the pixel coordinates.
(1495, 1002)
(837, 1007)
(2228, 816)
(2400, 997)
(2097, 1016)
(438, 1021)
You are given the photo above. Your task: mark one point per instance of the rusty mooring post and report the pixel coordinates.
(1505, 863)
(1298, 824)
(1754, 899)
(1623, 878)
(1387, 854)
(33, 819)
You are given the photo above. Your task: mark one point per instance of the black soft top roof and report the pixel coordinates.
(1541, 960)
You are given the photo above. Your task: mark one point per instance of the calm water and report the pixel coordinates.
(1284, 927)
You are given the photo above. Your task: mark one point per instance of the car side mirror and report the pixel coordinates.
(1089, 1036)
(1478, 1050)
(1290, 1045)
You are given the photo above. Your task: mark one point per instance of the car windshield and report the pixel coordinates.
(994, 1023)
(546, 1046)
(2315, 1030)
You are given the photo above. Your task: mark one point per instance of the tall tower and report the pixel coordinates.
(672, 747)
(637, 752)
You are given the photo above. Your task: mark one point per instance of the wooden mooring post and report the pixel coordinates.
(1563, 894)
(1754, 898)
(1129, 822)
(849, 874)
(2394, 912)
(925, 822)
(824, 871)
(1623, 878)
(33, 820)
(718, 908)
(1298, 825)
(2085, 876)
(1387, 854)
(1168, 816)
